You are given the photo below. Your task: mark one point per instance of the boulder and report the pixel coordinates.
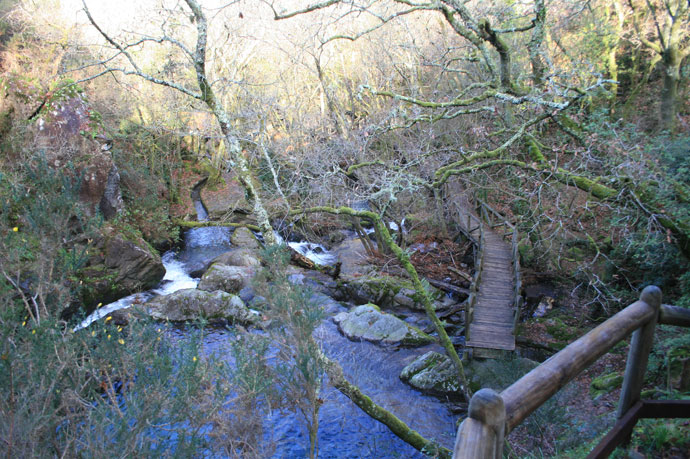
(138, 267)
(229, 279)
(369, 323)
(239, 257)
(192, 304)
(244, 238)
(605, 383)
(353, 256)
(433, 373)
(225, 197)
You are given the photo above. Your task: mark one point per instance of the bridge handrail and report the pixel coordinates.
(493, 415)
(478, 268)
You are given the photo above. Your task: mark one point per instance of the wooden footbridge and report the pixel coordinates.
(491, 315)
(494, 304)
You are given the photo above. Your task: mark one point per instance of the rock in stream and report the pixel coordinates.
(192, 304)
(367, 322)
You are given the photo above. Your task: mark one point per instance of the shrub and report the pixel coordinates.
(105, 390)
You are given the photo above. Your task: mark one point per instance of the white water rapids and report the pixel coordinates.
(176, 274)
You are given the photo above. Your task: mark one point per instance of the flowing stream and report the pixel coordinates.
(344, 430)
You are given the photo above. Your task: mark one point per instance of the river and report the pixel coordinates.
(344, 430)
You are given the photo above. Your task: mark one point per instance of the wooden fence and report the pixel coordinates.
(491, 416)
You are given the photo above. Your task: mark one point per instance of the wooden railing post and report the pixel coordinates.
(481, 435)
(640, 347)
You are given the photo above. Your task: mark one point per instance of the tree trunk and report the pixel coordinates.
(237, 160)
(612, 58)
(366, 404)
(669, 94)
(333, 111)
(404, 259)
(535, 43)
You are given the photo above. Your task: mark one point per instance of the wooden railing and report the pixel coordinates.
(473, 224)
(491, 416)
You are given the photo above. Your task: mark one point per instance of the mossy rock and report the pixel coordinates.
(118, 267)
(367, 322)
(239, 257)
(192, 304)
(605, 384)
(433, 373)
(561, 331)
(230, 279)
(242, 237)
(389, 292)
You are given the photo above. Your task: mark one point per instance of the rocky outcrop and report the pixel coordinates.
(229, 279)
(433, 373)
(120, 268)
(138, 267)
(193, 304)
(224, 197)
(367, 322)
(65, 128)
(111, 202)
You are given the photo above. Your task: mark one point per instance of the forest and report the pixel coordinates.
(315, 228)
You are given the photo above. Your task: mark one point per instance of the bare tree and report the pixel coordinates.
(205, 93)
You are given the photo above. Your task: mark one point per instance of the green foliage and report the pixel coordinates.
(299, 371)
(44, 234)
(653, 437)
(671, 348)
(672, 192)
(94, 393)
(147, 170)
(641, 256)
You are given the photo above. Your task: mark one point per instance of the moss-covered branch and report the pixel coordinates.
(189, 224)
(458, 102)
(397, 426)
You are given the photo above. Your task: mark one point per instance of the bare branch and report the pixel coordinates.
(384, 21)
(316, 6)
(137, 71)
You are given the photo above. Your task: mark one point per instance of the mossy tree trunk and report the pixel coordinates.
(668, 42)
(535, 43)
(669, 93)
(237, 161)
